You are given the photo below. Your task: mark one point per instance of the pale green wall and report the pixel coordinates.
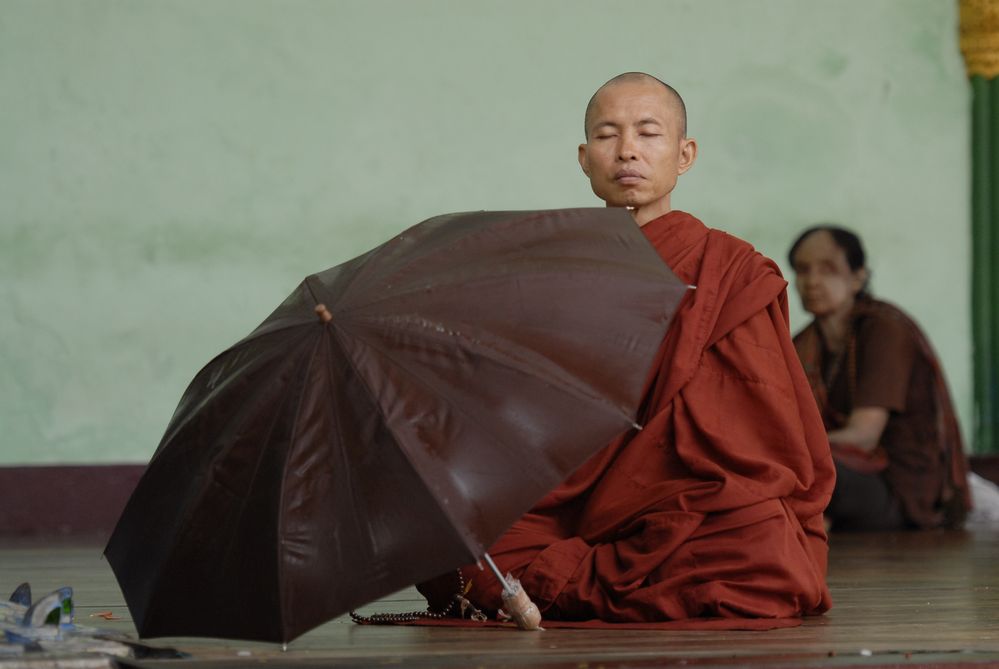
(170, 170)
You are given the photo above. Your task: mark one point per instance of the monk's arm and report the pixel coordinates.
(863, 428)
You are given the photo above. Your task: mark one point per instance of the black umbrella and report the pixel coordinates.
(454, 375)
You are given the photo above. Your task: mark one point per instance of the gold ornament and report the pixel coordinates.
(980, 37)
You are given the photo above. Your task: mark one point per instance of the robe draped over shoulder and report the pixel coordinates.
(714, 509)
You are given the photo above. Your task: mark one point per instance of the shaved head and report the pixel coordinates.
(677, 108)
(636, 144)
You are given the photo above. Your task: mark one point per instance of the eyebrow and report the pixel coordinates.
(605, 124)
(612, 124)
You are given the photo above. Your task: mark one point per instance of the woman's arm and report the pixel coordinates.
(863, 428)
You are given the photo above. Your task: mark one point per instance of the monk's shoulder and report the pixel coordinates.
(741, 254)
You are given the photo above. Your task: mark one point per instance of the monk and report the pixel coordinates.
(714, 509)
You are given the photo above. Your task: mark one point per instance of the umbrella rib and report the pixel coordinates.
(446, 511)
(358, 528)
(420, 380)
(343, 461)
(364, 265)
(503, 221)
(192, 412)
(523, 368)
(288, 453)
(191, 507)
(464, 281)
(581, 390)
(254, 335)
(293, 320)
(256, 472)
(412, 257)
(308, 287)
(356, 503)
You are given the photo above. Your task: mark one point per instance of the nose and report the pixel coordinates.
(808, 278)
(626, 149)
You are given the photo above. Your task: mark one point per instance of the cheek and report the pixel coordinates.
(670, 160)
(838, 290)
(831, 288)
(598, 162)
(839, 286)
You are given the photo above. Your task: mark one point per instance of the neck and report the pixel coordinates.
(835, 327)
(651, 211)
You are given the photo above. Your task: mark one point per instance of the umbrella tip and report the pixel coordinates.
(519, 606)
(324, 314)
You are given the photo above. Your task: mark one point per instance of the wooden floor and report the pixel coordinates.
(900, 600)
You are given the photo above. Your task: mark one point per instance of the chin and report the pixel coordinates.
(618, 199)
(816, 310)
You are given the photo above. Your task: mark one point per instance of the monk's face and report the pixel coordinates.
(635, 149)
(825, 282)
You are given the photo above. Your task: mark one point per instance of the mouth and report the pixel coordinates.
(628, 177)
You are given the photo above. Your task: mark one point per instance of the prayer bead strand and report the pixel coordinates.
(410, 616)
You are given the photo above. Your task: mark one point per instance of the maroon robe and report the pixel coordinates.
(714, 509)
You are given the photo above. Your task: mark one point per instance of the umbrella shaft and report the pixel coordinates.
(492, 565)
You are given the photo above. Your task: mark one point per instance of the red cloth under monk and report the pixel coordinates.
(714, 509)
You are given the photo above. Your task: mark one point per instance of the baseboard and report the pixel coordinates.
(84, 501)
(71, 501)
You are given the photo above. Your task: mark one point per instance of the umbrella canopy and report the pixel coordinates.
(456, 374)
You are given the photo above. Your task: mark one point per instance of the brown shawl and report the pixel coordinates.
(930, 498)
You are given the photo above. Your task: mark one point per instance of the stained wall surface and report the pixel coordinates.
(169, 171)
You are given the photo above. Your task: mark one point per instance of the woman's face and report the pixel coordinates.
(825, 282)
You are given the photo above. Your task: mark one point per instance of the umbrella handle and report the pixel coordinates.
(520, 607)
(515, 600)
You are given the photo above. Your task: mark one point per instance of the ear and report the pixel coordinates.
(584, 160)
(688, 154)
(860, 278)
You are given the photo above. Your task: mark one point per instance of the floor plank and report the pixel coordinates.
(916, 599)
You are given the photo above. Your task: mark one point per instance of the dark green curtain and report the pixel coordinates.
(985, 252)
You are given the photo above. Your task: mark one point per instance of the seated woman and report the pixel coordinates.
(895, 440)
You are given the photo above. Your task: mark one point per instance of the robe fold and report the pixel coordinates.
(714, 509)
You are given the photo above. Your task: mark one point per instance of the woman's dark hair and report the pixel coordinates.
(847, 240)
